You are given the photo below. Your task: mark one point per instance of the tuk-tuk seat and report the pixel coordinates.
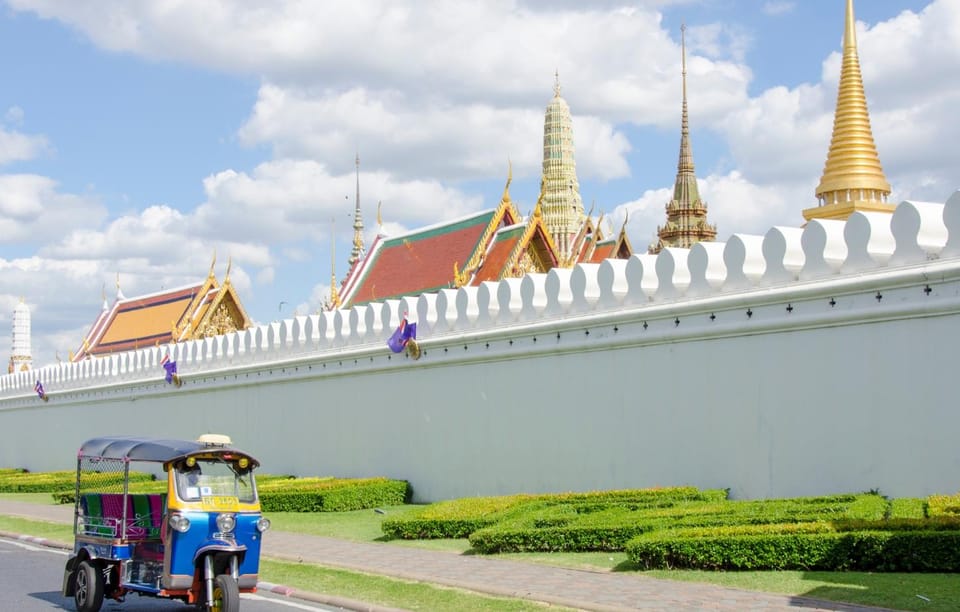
(103, 514)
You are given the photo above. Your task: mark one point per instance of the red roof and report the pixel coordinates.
(603, 251)
(498, 257)
(417, 262)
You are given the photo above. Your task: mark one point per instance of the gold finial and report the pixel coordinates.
(506, 188)
(334, 295)
(379, 218)
(852, 177)
(556, 83)
(118, 281)
(226, 277)
(213, 262)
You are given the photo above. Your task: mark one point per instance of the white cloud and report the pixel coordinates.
(32, 210)
(16, 146)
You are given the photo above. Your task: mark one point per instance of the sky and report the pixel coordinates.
(139, 139)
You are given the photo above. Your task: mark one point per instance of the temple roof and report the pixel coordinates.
(416, 262)
(175, 315)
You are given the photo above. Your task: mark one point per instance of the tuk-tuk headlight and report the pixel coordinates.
(226, 523)
(178, 522)
(263, 524)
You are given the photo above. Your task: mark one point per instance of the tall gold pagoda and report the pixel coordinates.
(686, 212)
(852, 177)
(562, 205)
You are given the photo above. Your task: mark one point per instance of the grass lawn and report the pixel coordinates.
(921, 592)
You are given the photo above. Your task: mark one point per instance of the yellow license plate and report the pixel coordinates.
(220, 503)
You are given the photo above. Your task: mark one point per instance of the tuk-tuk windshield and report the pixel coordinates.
(214, 477)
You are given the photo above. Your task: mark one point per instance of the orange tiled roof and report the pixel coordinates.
(604, 250)
(141, 321)
(417, 262)
(498, 256)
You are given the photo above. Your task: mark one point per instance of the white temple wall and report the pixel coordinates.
(820, 367)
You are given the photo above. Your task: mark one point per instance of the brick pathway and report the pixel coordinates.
(582, 589)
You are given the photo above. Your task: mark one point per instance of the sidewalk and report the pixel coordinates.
(583, 589)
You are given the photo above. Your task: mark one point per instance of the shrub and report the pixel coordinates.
(335, 495)
(909, 551)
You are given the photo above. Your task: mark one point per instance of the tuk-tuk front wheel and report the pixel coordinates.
(88, 588)
(226, 594)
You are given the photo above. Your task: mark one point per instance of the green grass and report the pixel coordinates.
(900, 591)
(61, 532)
(388, 591)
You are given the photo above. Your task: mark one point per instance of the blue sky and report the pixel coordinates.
(138, 137)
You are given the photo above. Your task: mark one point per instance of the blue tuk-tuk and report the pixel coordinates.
(194, 536)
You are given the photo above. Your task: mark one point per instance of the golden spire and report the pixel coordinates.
(686, 212)
(852, 178)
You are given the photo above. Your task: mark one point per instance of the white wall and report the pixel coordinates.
(815, 361)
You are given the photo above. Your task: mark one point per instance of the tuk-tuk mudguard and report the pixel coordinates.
(88, 550)
(187, 548)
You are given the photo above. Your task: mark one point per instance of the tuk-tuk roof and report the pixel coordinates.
(153, 449)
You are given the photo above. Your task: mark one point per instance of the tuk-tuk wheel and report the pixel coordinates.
(88, 588)
(226, 594)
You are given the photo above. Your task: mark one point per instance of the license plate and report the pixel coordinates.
(220, 502)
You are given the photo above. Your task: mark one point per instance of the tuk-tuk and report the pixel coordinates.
(195, 537)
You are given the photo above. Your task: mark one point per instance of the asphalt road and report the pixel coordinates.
(30, 579)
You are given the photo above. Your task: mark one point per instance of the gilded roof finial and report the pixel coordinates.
(334, 295)
(226, 277)
(379, 218)
(213, 262)
(120, 295)
(852, 178)
(556, 83)
(506, 188)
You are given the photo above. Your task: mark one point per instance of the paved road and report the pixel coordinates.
(30, 578)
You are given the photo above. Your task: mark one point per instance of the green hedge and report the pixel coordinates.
(548, 527)
(335, 495)
(461, 517)
(910, 551)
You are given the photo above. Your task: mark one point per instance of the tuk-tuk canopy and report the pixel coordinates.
(154, 449)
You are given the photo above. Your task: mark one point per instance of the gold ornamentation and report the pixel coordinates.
(220, 323)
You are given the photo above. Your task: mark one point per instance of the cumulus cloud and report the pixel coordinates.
(16, 146)
(32, 210)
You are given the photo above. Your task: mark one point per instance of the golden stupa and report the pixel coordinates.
(852, 177)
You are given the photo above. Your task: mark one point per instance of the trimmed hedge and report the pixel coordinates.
(461, 517)
(910, 551)
(335, 495)
(548, 527)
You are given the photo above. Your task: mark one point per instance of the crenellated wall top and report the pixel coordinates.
(919, 241)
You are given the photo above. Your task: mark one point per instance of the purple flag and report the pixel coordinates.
(404, 334)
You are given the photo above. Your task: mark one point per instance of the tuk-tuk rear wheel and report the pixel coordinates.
(88, 587)
(226, 594)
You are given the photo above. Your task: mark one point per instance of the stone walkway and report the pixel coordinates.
(580, 589)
